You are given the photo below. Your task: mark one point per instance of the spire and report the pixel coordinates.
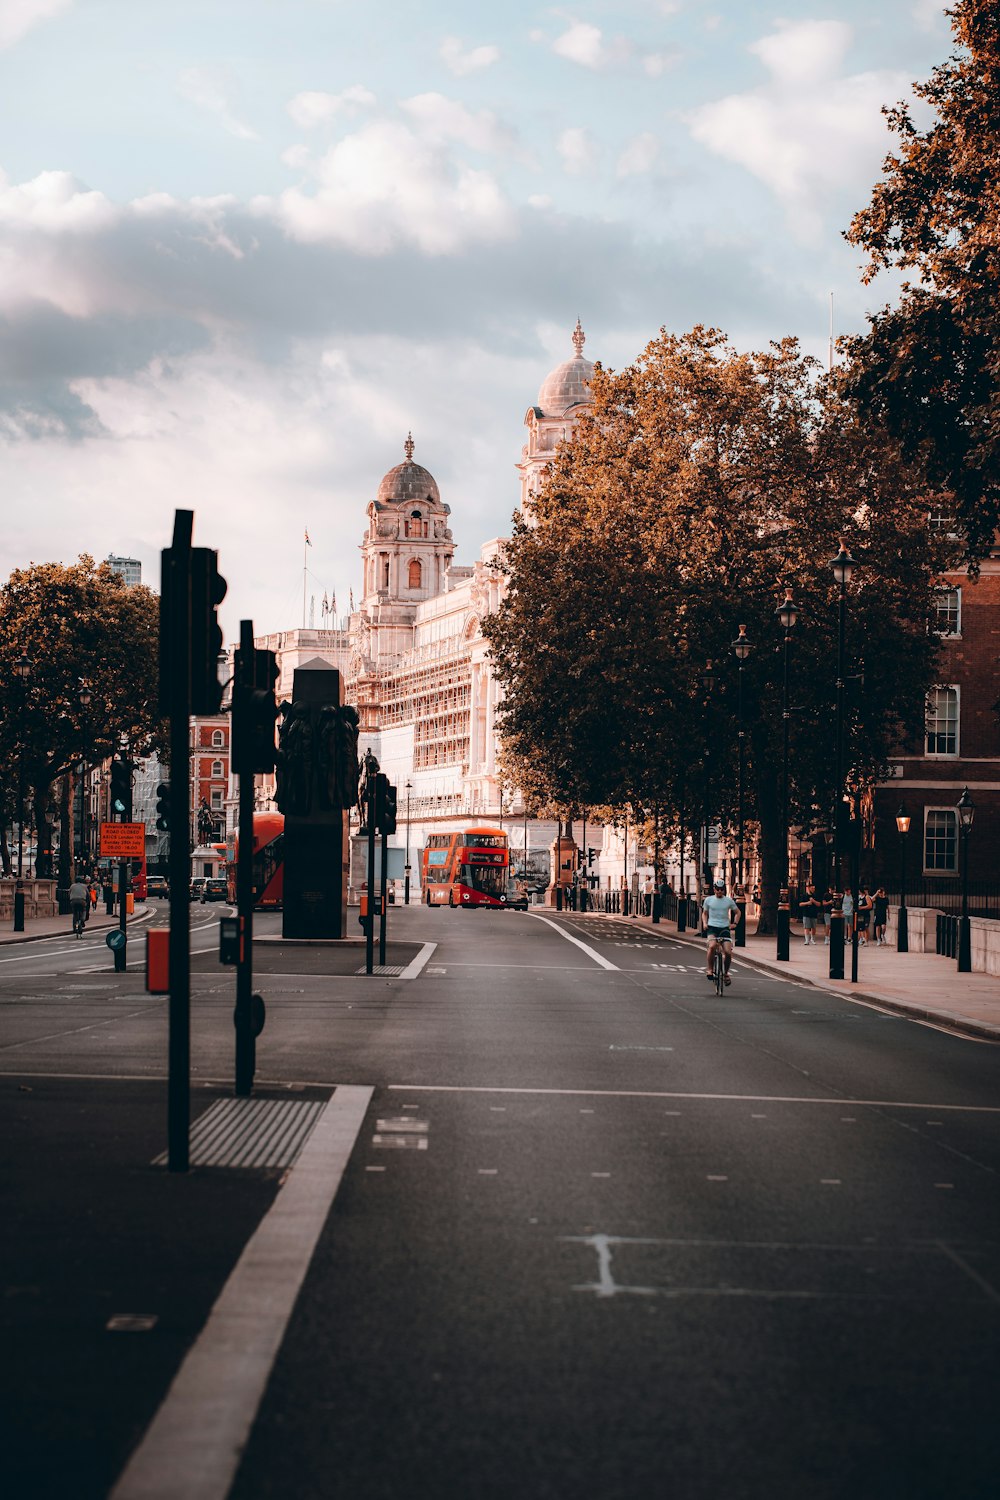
(408, 447)
(579, 338)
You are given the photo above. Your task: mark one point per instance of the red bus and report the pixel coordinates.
(469, 868)
(268, 862)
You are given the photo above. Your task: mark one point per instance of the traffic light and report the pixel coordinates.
(208, 589)
(389, 814)
(121, 789)
(385, 805)
(163, 806)
(255, 710)
(591, 856)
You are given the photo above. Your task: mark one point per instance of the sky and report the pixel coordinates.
(246, 246)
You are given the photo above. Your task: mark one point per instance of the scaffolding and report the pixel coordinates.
(430, 688)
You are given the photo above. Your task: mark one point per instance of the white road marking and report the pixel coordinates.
(417, 965)
(600, 1174)
(944, 1184)
(598, 958)
(193, 1446)
(487, 1171)
(467, 1088)
(374, 1169)
(830, 1181)
(710, 1178)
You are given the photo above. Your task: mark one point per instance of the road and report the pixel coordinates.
(603, 1231)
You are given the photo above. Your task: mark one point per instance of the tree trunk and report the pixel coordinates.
(43, 835)
(66, 832)
(5, 860)
(769, 812)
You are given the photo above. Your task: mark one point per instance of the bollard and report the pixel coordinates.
(837, 942)
(682, 913)
(18, 911)
(656, 907)
(784, 927)
(559, 898)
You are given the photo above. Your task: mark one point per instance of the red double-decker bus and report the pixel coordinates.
(466, 869)
(268, 863)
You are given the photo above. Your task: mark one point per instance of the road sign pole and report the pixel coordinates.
(370, 882)
(245, 1046)
(120, 953)
(383, 892)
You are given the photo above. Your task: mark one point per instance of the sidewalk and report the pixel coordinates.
(922, 985)
(36, 928)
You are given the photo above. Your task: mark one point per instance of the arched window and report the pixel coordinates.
(218, 739)
(413, 580)
(217, 769)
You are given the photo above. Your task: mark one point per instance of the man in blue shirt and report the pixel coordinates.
(717, 912)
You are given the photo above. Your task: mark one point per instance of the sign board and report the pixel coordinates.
(359, 861)
(123, 840)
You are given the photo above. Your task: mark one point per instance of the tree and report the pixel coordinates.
(76, 624)
(929, 368)
(702, 485)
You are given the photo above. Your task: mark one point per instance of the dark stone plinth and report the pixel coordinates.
(315, 841)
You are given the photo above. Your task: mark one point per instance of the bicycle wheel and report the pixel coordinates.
(719, 970)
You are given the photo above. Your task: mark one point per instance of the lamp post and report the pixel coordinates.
(787, 614)
(524, 871)
(742, 648)
(966, 810)
(85, 699)
(902, 925)
(707, 683)
(23, 668)
(843, 566)
(406, 868)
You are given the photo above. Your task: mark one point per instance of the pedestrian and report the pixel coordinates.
(810, 909)
(847, 907)
(827, 904)
(864, 914)
(93, 895)
(880, 915)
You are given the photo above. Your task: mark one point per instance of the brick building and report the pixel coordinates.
(209, 778)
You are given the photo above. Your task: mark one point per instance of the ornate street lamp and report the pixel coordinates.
(406, 868)
(708, 684)
(902, 924)
(742, 647)
(966, 810)
(843, 566)
(787, 613)
(85, 701)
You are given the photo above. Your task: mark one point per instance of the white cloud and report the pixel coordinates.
(55, 203)
(388, 185)
(461, 62)
(17, 17)
(440, 119)
(578, 150)
(807, 133)
(313, 108)
(929, 16)
(587, 46)
(583, 44)
(639, 156)
(203, 87)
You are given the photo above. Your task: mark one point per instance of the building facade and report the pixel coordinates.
(129, 569)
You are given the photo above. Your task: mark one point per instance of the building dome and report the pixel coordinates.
(408, 483)
(568, 385)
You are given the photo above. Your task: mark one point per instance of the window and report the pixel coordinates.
(413, 579)
(941, 521)
(940, 839)
(216, 796)
(217, 770)
(218, 739)
(947, 611)
(385, 570)
(942, 721)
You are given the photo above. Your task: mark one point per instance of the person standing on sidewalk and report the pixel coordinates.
(865, 905)
(880, 915)
(810, 910)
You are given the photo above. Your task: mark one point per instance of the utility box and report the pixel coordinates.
(158, 961)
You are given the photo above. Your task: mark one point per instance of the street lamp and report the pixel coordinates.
(707, 683)
(843, 566)
(406, 868)
(23, 669)
(742, 647)
(902, 924)
(966, 810)
(787, 614)
(85, 700)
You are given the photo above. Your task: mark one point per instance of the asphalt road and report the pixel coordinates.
(603, 1231)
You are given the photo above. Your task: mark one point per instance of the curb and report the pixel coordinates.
(44, 937)
(980, 1031)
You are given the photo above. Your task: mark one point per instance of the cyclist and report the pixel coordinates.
(78, 900)
(718, 911)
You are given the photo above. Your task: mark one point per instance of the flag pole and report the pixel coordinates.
(305, 544)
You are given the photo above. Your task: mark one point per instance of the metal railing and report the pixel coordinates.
(947, 935)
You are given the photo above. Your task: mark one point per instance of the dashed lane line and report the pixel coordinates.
(458, 1088)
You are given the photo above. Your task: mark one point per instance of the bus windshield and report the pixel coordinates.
(490, 879)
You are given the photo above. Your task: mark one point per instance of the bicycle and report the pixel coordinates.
(719, 969)
(79, 919)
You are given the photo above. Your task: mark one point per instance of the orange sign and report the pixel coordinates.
(123, 840)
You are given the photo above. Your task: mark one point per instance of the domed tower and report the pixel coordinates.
(408, 546)
(564, 396)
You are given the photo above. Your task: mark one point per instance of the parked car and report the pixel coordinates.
(215, 889)
(157, 885)
(517, 899)
(197, 886)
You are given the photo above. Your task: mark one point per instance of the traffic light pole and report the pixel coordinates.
(383, 892)
(175, 703)
(370, 882)
(245, 1043)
